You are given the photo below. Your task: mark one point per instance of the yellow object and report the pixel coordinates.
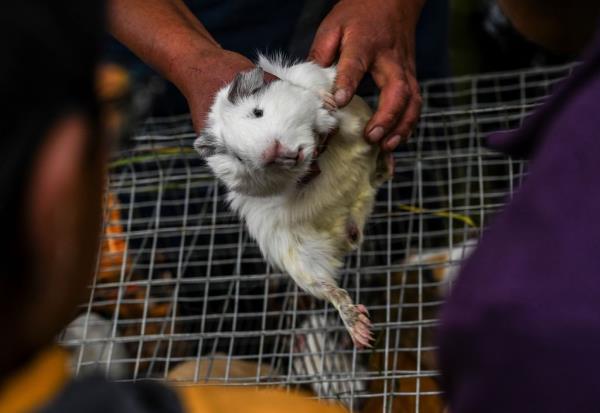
(439, 213)
(112, 81)
(151, 156)
(207, 399)
(43, 378)
(37, 383)
(210, 371)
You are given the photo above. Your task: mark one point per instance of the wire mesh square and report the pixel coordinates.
(182, 292)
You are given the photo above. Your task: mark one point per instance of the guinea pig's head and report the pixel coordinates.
(260, 137)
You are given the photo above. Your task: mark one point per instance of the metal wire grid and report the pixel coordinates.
(182, 292)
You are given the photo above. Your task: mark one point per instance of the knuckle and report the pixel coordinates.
(405, 130)
(362, 64)
(386, 118)
(398, 90)
(407, 125)
(348, 80)
(316, 54)
(353, 66)
(399, 131)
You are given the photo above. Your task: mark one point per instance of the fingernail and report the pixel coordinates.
(393, 141)
(376, 134)
(341, 96)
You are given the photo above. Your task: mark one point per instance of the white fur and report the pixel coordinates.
(93, 335)
(308, 75)
(318, 355)
(449, 261)
(302, 229)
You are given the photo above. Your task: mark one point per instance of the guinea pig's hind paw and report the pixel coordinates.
(356, 320)
(328, 100)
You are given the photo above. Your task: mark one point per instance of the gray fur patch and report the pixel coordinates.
(207, 145)
(246, 84)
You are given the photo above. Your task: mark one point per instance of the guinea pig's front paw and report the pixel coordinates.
(326, 120)
(328, 100)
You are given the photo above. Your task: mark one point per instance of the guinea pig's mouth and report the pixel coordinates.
(289, 161)
(278, 155)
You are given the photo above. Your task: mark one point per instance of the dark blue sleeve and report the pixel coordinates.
(248, 26)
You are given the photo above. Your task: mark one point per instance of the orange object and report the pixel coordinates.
(417, 302)
(429, 401)
(36, 383)
(39, 382)
(113, 245)
(207, 399)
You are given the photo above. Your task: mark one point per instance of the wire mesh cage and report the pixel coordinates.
(182, 293)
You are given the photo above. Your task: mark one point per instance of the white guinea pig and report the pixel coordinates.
(260, 141)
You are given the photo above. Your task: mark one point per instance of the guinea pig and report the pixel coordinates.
(260, 140)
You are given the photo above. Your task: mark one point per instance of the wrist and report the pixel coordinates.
(201, 71)
(189, 56)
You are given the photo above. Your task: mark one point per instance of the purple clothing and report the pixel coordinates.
(521, 329)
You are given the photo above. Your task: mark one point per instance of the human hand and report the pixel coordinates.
(200, 77)
(375, 36)
(167, 36)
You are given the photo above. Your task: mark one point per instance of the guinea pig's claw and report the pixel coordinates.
(356, 319)
(328, 100)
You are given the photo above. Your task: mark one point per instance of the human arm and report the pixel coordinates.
(167, 36)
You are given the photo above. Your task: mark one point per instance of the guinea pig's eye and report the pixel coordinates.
(257, 113)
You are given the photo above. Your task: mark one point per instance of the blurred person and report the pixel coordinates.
(199, 52)
(54, 152)
(520, 331)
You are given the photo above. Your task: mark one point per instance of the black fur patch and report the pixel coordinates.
(207, 145)
(246, 84)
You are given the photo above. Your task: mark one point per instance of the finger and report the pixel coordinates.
(393, 101)
(351, 68)
(325, 45)
(403, 132)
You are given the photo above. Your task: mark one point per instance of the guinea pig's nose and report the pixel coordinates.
(277, 153)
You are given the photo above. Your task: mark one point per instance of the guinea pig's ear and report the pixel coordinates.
(246, 84)
(206, 145)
